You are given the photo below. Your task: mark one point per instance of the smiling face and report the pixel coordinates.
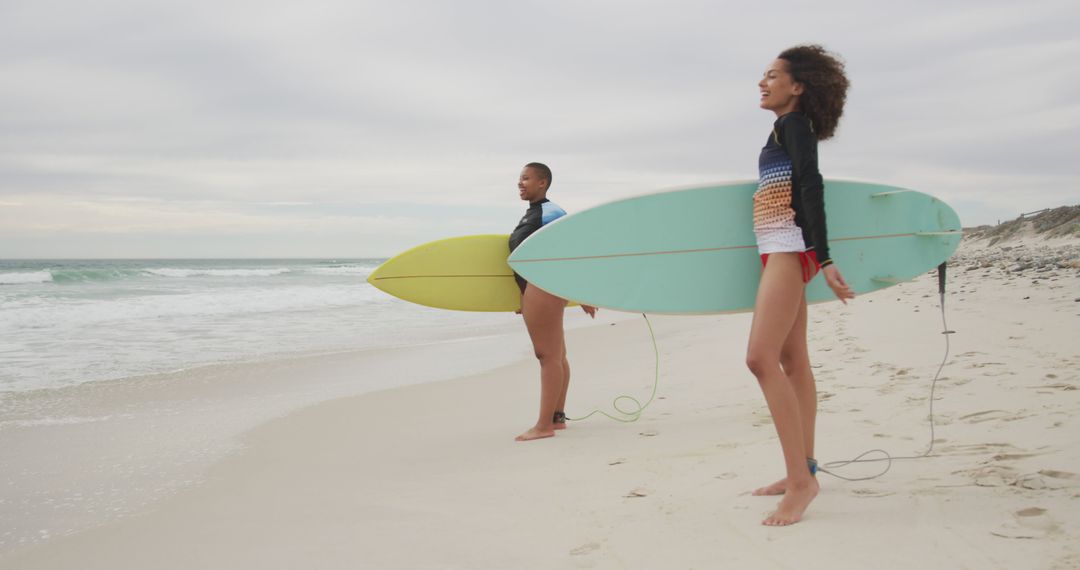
(531, 186)
(779, 90)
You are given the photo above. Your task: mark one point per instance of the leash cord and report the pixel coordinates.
(825, 468)
(632, 415)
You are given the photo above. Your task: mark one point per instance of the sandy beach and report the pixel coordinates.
(429, 476)
(207, 362)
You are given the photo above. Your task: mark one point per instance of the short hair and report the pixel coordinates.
(543, 169)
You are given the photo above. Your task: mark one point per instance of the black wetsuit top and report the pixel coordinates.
(791, 193)
(537, 216)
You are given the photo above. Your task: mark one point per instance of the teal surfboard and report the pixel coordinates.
(693, 251)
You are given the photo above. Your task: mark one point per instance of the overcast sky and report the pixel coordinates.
(357, 128)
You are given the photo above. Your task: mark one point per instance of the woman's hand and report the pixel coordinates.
(589, 310)
(837, 284)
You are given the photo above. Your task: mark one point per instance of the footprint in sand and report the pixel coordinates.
(1031, 482)
(1070, 562)
(1062, 386)
(881, 367)
(992, 415)
(978, 448)
(972, 417)
(984, 364)
(944, 418)
(990, 475)
(1013, 456)
(1059, 474)
(585, 549)
(1048, 479)
(889, 387)
(1029, 523)
(871, 493)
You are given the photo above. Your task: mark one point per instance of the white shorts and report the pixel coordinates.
(780, 240)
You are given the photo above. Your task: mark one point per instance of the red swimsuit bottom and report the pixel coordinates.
(810, 265)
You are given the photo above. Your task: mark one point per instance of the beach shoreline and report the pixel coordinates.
(85, 455)
(428, 475)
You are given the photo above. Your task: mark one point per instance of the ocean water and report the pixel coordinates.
(65, 323)
(122, 381)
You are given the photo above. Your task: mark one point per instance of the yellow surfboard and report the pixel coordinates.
(466, 273)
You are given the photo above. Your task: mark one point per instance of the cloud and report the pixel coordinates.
(53, 214)
(410, 107)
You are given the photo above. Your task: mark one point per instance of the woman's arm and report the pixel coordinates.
(800, 142)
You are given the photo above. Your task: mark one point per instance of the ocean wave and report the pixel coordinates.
(24, 278)
(177, 272)
(81, 274)
(213, 305)
(74, 273)
(53, 421)
(358, 270)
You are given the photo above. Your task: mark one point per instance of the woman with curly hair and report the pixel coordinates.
(806, 88)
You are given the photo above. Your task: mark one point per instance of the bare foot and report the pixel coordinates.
(535, 433)
(776, 488)
(791, 508)
(559, 426)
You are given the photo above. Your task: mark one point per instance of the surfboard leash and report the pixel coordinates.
(828, 467)
(825, 468)
(631, 415)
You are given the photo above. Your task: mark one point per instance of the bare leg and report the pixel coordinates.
(543, 314)
(561, 405)
(776, 310)
(795, 359)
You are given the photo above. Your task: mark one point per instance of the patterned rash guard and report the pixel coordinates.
(789, 204)
(537, 216)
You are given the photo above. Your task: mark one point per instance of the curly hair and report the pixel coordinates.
(824, 86)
